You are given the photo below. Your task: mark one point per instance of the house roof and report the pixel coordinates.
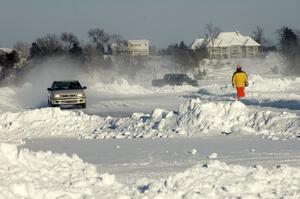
(251, 42)
(6, 50)
(138, 41)
(226, 39)
(198, 43)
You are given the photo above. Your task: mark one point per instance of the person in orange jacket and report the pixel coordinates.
(239, 81)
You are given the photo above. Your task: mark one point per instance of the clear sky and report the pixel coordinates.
(161, 21)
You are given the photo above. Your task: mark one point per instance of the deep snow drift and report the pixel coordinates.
(194, 118)
(26, 174)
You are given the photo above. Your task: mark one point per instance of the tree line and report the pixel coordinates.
(99, 45)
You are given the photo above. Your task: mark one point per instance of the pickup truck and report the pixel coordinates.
(66, 93)
(174, 80)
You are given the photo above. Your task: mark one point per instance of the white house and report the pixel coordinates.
(232, 45)
(138, 47)
(131, 47)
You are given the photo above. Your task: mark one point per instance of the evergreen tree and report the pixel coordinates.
(289, 48)
(182, 45)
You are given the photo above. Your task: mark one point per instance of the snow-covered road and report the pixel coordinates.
(135, 141)
(137, 158)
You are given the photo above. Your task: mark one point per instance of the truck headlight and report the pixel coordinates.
(79, 95)
(57, 96)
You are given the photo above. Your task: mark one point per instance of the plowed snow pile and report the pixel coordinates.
(46, 175)
(26, 174)
(194, 118)
(257, 83)
(122, 87)
(219, 180)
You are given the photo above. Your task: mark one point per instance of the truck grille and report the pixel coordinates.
(67, 96)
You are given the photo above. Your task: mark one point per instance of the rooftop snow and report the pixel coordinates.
(226, 39)
(6, 50)
(138, 41)
(199, 42)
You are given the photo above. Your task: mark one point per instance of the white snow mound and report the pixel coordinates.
(219, 180)
(259, 83)
(27, 174)
(194, 118)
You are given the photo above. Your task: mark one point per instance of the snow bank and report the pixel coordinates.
(45, 122)
(122, 87)
(197, 117)
(219, 180)
(7, 102)
(259, 83)
(194, 118)
(26, 174)
(118, 87)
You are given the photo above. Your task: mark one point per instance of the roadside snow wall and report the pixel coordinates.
(26, 174)
(194, 118)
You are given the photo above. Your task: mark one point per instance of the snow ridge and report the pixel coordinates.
(26, 174)
(220, 180)
(194, 118)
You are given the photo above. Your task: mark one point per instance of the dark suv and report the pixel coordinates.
(174, 79)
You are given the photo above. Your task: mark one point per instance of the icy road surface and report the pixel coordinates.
(154, 158)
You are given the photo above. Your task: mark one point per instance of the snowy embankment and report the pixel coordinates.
(277, 92)
(122, 87)
(194, 118)
(25, 174)
(258, 83)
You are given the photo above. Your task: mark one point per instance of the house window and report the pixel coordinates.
(235, 49)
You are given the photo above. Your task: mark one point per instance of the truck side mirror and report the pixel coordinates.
(84, 87)
(49, 89)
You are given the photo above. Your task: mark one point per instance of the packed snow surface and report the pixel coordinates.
(26, 174)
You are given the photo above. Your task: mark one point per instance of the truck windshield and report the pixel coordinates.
(66, 86)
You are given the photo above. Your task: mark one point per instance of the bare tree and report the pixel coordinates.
(98, 36)
(258, 36)
(22, 47)
(118, 40)
(69, 39)
(211, 35)
(50, 45)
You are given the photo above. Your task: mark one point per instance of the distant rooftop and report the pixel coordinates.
(138, 41)
(6, 50)
(198, 43)
(226, 39)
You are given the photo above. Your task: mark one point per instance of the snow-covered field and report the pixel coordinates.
(136, 141)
